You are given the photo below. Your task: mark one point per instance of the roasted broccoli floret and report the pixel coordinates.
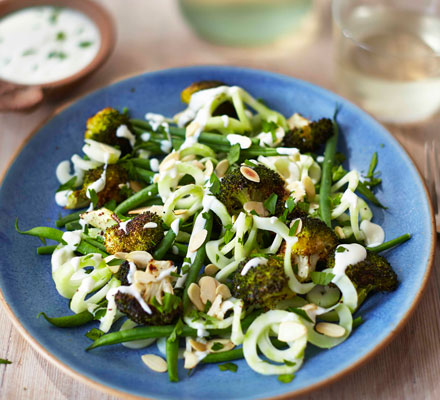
(310, 137)
(103, 125)
(159, 304)
(142, 233)
(316, 242)
(114, 177)
(263, 285)
(372, 274)
(236, 190)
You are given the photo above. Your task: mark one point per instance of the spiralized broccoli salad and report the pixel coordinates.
(215, 235)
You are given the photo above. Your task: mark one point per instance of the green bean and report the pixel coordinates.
(137, 199)
(68, 218)
(46, 249)
(99, 245)
(164, 245)
(141, 162)
(57, 235)
(326, 177)
(172, 353)
(145, 175)
(69, 321)
(391, 243)
(145, 332)
(197, 264)
(368, 194)
(73, 226)
(231, 355)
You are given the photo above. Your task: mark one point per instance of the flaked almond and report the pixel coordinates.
(189, 157)
(340, 232)
(223, 291)
(311, 310)
(331, 330)
(207, 289)
(140, 258)
(197, 345)
(209, 168)
(194, 296)
(192, 129)
(290, 331)
(120, 255)
(142, 277)
(155, 363)
(297, 121)
(222, 345)
(250, 174)
(298, 190)
(197, 240)
(211, 269)
(169, 161)
(180, 212)
(299, 227)
(191, 360)
(256, 206)
(135, 186)
(114, 268)
(221, 168)
(198, 164)
(215, 310)
(309, 187)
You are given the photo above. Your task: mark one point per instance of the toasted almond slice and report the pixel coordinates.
(140, 258)
(331, 330)
(198, 164)
(310, 310)
(215, 310)
(223, 291)
(191, 360)
(221, 168)
(180, 212)
(207, 289)
(249, 174)
(209, 168)
(155, 363)
(299, 227)
(309, 187)
(189, 157)
(197, 240)
(340, 232)
(169, 161)
(135, 186)
(142, 277)
(114, 268)
(290, 331)
(120, 255)
(226, 343)
(191, 129)
(197, 345)
(297, 121)
(194, 296)
(256, 206)
(211, 269)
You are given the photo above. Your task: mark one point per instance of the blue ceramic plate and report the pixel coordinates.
(28, 192)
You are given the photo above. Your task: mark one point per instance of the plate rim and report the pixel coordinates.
(285, 396)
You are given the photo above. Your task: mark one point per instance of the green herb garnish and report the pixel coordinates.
(286, 378)
(321, 278)
(228, 367)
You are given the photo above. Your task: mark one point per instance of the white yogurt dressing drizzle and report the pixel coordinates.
(243, 141)
(73, 239)
(255, 262)
(374, 234)
(124, 132)
(353, 254)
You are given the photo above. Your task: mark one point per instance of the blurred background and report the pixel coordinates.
(292, 37)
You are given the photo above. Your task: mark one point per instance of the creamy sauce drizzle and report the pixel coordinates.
(353, 254)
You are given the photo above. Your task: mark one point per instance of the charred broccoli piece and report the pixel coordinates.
(142, 233)
(236, 190)
(310, 137)
(115, 176)
(264, 285)
(316, 243)
(372, 274)
(122, 274)
(103, 125)
(165, 315)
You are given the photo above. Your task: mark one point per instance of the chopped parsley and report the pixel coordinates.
(228, 367)
(286, 378)
(321, 278)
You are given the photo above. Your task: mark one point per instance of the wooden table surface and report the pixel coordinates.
(151, 36)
